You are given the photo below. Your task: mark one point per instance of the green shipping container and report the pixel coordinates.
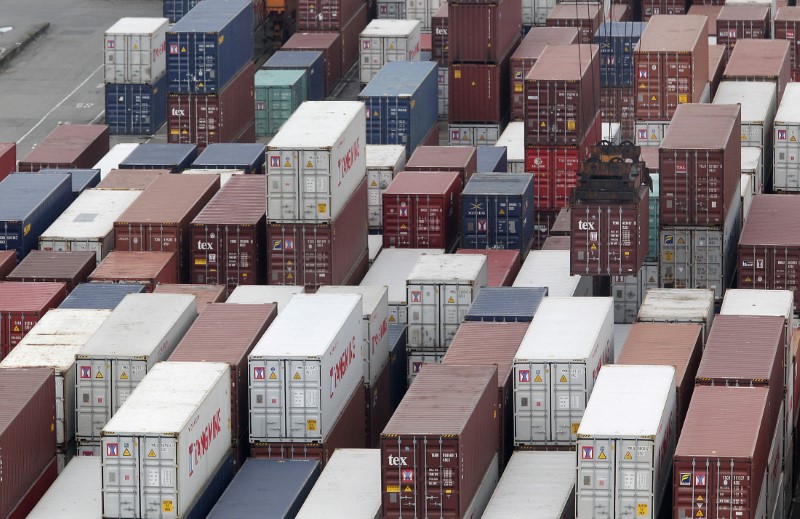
(652, 253)
(278, 94)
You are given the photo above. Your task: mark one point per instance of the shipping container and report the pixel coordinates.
(327, 15)
(172, 157)
(786, 147)
(135, 50)
(398, 363)
(463, 159)
(653, 215)
(556, 367)
(786, 28)
(174, 10)
(617, 41)
(75, 494)
(758, 106)
(440, 51)
(312, 62)
(130, 179)
(761, 60)
(678, 306)
(135, 108)
(550, 269)
(503, 265)
(115, 155)
(470, 134)
(513, 139)
(348, 488)
(248, 158)
(628, 291)
(8, 261)
(558, 243)
(350, 38)
(262, 294)
(737, 22)
(753, 167)
(497, 212)
(717, 59)
(391, 10)
(482, 32)
(586, 17)
(68, 146)
(69, 268)
(330, 44)
(224, 175)
(477, 93)
(137, 268)
(492, 159)
(506, 304)
(8, 158)
(99, 296)
(81, 179)
(422, 10)
(204, 294)
(650, 134)
(22, 305)
(374, 246)
(384, 41)
(443, 92)
(650, 8)
(383, 163)
(142, 331)
(278, 93)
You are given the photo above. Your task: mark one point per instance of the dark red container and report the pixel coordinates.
(21, 307)
(35, 492)
(440, 51)
(320, 254)
(76, 146)
(204, 294)
(325, 15)
(717, 59)
(8, 261)
(421, 210)
(478, 92)
(544, 219)
(330, 44)
(483, 32)
(700, 165)
(149, 268)
(617, 105)
(463, 159)
(440, 442)
(8, 158)
(609, 239)
(350, 38)
(228, 237)
(227, 333)
(709, 11)
(504, 265)
(130, 178)
(432, 138)
(562, 95)
(586, 17)
(69, 268)
(562, 226)
(159, 219)
(737, 22)
(556, 243)
(27, 431)
(654, 7)
(760, 60)
(378, 409)
(787, 27)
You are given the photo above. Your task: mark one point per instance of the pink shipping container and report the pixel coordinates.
(148, 268)
(463, 159)
(737, 22)
(761, 60)
(787, 27)
(204, 294)
(619, 13)
(8, 261)
(483, 32)
(709, 11)
(8, 158)
(586, 17)
(21, 307)
(330, 44)
(138, 179)
(69, 146)
(478, 92)
(717, 60)
(700, 165)
(35, 492)
(617, 105)
(325, 15)
(503, 265)
(651, 8)
(421, 210)
(69, 268)
(440, 41)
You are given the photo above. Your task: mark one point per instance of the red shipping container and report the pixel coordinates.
(760, 60)
(325, 15)
(483, 32)
(609, 239)
(440, 51)
(228, 236)
(330, 44)
(562, 95)
(651, 8)
(709, 11)
(503, 265)
(737, 22)
(463, 159)
(717, 59)
(27, 431)
(556, 243)
(130, 178)
(441, 441)
(478, 92)
(69, 268)
(320, 254)
(544, 219)
(159, 219)
(8, 261)
(586, 17)
(425, 43)
(76, 146)
(21, 307)
(8, 158)
(700, 165)
(204, 294)
(227, 333)
(351, 40)
(148, 268)
(670, 65)
(35, 492)
(421, 210)
(787, 27)
(617, 106)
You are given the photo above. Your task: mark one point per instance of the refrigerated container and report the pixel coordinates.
(330, 44)
(383, 163)
(172, 157)
(513, 138)
(224, 174)
(503, 265)
(482, 32)
(391, 10)
(374, 244)
(670, 305)
(75, 494)
(115, 155)
(650, 133)
(468, 134)
(550, 269)
(752, 167)
(786, 149)
(422, 10)
(747, 195)
(628, 291)
(384, 41)
(585, 16)
(497, 212)
(248, 158)
(22, 305)
(135, 50)
(138, 268)
(262, 294)
(534, 12)
(136, 108)
(758, 106)
(278, 93)
(99, 296)
(760, 60)
(312, 62)
(68, 146)
(617, 42)
(506, 304)
(69, 268)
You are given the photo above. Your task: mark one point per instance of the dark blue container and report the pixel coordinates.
(492, 159)
(398, 363)
(212, 491)
(177, 9)
(174, 157)
(274, 488)
(29, 204)
(248, 157)
(506, 304)
(617, 41)
(82, 179)
(100, 296)
(313, 61)
(209, 46)
(402, 103)
(497, 212)
(136, 109)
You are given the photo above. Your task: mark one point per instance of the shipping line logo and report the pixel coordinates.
(346, 163)
(338, 371)
(199, 447)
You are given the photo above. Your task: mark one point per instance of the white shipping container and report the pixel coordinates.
(625, 443)
(628, 292)
(535, 485)
(441, 288)
(442, 81)
(115, 155)
(513, 138)
(422, 10)
(391, 268)
(392, 10)
(264, 294)
(52, 343)
(550, 268)
(348, 488)
(758, 102)
(772, 4)
(383, 41)
(75, 494)
(611, 132)
(650, 133)
(316, 161)
(135, 50)
(167, 441)
(224, 174)
(621, 332)
(301, 374)
(673, 305)
(88, 223)
(141, 331)
(467, 134)
(746, 190)
(753, 165)
(418, 358)
(384, 161)
(786, 137)
(374, 326)
(556, 366)
(374, 246)
(535, 12)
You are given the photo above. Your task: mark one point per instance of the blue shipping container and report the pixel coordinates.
(100, 296)
(273, 488)
(617, 41)
(506, 304)
(209, 46)
(312, 61)
(29, 204)
(82, 179)
(398, 363)
(207, 496)
(174, 157)
(177, 9)
(402, 103)
(136, 109)
(247, 157)
(497, 212)
(492, 159)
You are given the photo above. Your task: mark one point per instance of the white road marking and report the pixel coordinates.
(97, 117)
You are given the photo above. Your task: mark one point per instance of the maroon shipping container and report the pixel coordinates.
(562, 226)
(722, 453)
(486, 343)
(787, 27)
(27, 431)
(557, 243)
(737, 22)
(562, 95)
(330, 44)
(483, 32)
(130, 178)
(21, 307)
(670, 65)
(586, 17)
(478, 92)
(440, 51)
(421, 210)
(503, 265)
(159, 219)
(8, 261)
(351, 33)
(617, 105)
(347, 433)
(320, 254)
(148, 268)
(227, 333)
(672, 344)
(228, 236)
(69, 268)
(432, 138)
(619, 13)
(463, 159)
(8, 158)
(760, 60)
(709, 11)
(378, 408)
(700, 165)
(204, 294)
(440, 442)
(69, 146)
(717, 59)
(651, 8)
(35, 492)
(543, 219)
(325, 15)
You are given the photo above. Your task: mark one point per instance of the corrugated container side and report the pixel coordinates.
(327, 15)
(586, 17)
(68, 146)
(503, 265)
(350, 38)
(134, 108)
(313, 62)
(172, 157)
(440, 46)
(69, 268)
(139, 268)
(8, 158)
(477, 92)
(330, 44)
(8, 261)
(481, 32)
(736, 22)
(786, 27)
(761, 60)
(21, 307)
(204, 294)
(463, 159)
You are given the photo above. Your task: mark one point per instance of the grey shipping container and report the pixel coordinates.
(174, 157)
(100, 296)
(492, 159)
(244, 156)
(82, 179)
(312, 61)
(506, 304)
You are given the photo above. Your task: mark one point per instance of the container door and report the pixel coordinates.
(304, 401)
(126, 375)
(94, 396)
(399, 222)
(283, 199)
(416, 359)
(121, 486)
(787, 157)
(130, 237)
(315, 185)
(423, 315)
(375, 181)
(158, 478)
(708, 260)
(676, 258)
(595, 485)
(785, 262)
(455, 302)
(568, 399)
(635, 486)
(439, 468)
(266, 400)
(371, 57)
(532, 407)
(263, 112)
(401, 476)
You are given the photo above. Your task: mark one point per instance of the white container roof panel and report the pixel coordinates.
(392, 267)
(92, 214)
(683, 303)
(448, 268)
(317, 125)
